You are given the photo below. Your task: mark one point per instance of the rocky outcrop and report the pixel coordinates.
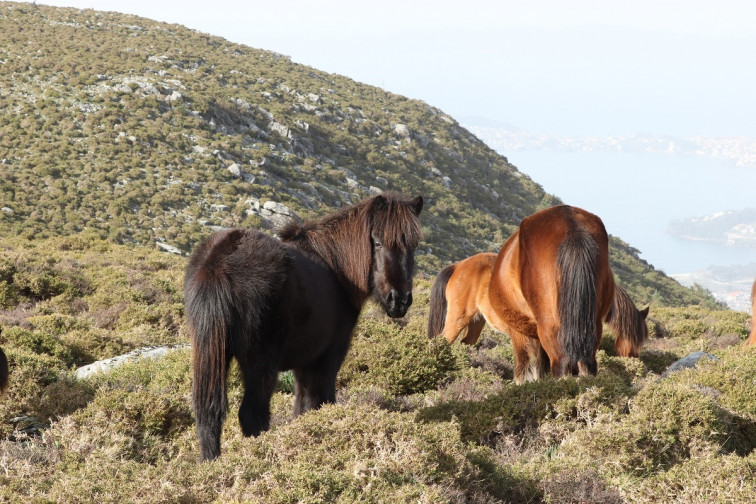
(103, 366)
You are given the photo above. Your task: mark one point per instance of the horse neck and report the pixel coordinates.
(624, 316)
(345, 248)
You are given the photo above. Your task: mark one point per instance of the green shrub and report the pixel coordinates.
(666, 421)
(373, 456)
(38, 342)
(401, 360)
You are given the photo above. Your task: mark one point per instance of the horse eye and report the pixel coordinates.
(377, 243)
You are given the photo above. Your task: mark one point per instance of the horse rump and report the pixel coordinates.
(578, 258)
(228, 286)
(438, 304)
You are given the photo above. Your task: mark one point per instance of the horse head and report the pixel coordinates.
(395, 233)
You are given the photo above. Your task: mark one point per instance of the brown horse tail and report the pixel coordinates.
(627, 323)
(578, 262)
(3, 371)
(437, 315)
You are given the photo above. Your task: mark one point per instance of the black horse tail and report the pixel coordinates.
(578, 258)
(437, 314)
(3, 371)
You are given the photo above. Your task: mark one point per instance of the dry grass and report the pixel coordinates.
(415, 420)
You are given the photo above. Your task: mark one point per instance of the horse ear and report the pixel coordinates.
(644, 312)
(380, 203)
(416, 205)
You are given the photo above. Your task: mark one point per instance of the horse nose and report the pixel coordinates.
(396, 299)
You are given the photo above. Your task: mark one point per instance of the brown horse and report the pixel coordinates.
(752, 338)
(292, 304)
(3, 371)
(550, 287)
(628, 324)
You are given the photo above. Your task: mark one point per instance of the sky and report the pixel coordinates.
(572, 68)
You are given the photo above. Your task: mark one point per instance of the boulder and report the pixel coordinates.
(689, 361)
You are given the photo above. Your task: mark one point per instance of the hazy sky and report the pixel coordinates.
(548, 66)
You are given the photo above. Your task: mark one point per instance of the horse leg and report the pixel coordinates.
(474, 328)
(543, 363)
(260, 379)
(524, 348)
(315, 385)
(456, 321)
(312, 389)
(553, 355)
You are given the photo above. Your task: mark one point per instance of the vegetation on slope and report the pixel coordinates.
(415, 419)
(142, 132)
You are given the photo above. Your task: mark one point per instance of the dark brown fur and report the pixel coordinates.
(291, 304)
(3, 371)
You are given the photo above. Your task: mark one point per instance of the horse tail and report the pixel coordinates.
(209, 317)
(3, 371)
(438, 305)
(578, 258)
(627, 323)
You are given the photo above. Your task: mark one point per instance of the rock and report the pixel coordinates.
(169, 248)
(106, 365)
(277, 214)
(278, 208)
(349, 174)
(402, 130)
(689, 361)
(280, 129)
(254, 205)
(7, 210)
(174, 96)
(26, 427)
(235, 170)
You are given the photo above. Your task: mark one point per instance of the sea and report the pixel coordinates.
(637, 195)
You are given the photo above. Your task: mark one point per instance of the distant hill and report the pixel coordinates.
(148, 133)
(733, 228)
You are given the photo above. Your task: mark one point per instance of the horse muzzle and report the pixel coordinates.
(397, 303)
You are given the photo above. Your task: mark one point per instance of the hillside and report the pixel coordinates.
(122, 138)
(142, 132)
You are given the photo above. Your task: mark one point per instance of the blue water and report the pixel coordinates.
(637, 195)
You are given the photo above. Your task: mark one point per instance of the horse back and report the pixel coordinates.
(469, 281)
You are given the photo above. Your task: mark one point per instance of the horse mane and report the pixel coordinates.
(343, 239)
(627, 323)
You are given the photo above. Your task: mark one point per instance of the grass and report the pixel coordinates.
(415, 420)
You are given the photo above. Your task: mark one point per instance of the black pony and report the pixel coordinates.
(291, 304)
